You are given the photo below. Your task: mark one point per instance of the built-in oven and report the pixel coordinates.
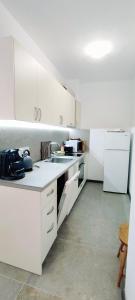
(81, 170)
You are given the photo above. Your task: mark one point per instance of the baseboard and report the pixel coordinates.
(123, 296)
(95, 181)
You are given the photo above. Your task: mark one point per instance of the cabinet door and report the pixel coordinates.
(73, 192)
(69, 109)
(55, 103)
(68, 198)
(77, 114)
(42, 93)
(6, 78)
(25, 85)
(52, 107)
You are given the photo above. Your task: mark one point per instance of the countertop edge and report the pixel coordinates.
(13, 184)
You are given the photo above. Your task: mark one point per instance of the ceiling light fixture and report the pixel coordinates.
(98, 49)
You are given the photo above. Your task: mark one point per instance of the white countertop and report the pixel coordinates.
(41, 176)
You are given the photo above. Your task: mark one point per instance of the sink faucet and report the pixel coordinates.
(50, 147)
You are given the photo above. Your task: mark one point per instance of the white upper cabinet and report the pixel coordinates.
(78, 114)
(6, 79)
(25, 85)
(28, 92)
(70, 111)
(42, 94)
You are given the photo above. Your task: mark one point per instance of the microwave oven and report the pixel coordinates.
(77, 145)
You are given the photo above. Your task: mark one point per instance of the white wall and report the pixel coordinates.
(96, 155)
(105, 104)
(130, 273)
(10, 27)
(133, 103)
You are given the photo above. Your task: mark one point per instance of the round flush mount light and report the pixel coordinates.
(99, 49)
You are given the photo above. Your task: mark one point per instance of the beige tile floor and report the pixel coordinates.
(82, 264)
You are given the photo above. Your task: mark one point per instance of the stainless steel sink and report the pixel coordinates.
(58, 160)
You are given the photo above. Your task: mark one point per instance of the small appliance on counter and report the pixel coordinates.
(11, 165)
(76, 144)
(27, 161)
(68, 150)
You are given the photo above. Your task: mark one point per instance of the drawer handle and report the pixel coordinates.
(51, 228)
(50, 193)
(50, 211)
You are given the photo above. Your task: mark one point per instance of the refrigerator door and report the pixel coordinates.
(117, 140)
(116, 171)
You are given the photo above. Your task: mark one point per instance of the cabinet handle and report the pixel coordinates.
(61, 120)
(35, 113)
(40, 114)
(51, 228)
(50, 211)
(50, 193)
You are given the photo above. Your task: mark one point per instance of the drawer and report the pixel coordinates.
(48, 194)
(48, 239)
(48, 216)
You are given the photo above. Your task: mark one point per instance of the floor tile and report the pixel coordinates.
(30, 293)
(14, 273)
(95, 219)
(74, 271)
(82, 264)
(9, 289)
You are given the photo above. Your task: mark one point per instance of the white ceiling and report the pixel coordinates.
(62, 28)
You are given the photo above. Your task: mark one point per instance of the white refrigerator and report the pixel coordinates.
(116, 161)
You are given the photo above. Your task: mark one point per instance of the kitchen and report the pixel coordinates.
(38, 104)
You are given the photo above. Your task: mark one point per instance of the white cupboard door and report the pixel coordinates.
(68, 104)
(63, 205)
(6, 78)
(61, 100)
(68, 198)
(42, 93)
(74, 192)
(77, 114)
(63, 208)
(52, 104)
(25, 85)
(70, 111)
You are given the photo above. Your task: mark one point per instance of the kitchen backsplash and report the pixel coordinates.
(19, 137)
(16, 137)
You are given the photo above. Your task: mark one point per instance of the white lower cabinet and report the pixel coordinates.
(48, 218)
(69, 194)
(73, 193)
(48, 230)
(29, 221)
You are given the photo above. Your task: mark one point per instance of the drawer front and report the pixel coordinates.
(48, 195)
(48, 225)
(48, 239)
(48, 216)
